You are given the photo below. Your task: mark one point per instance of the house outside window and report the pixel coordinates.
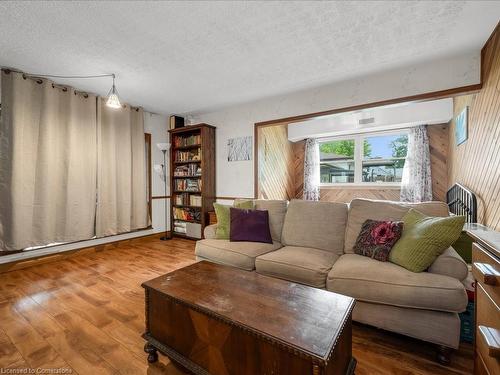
(364, 159)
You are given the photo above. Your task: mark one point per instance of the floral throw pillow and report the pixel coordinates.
(377, 238)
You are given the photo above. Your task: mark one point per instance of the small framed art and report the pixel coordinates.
(461, 126)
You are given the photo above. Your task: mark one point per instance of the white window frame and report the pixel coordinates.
(358, 159)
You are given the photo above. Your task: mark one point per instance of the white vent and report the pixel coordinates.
(366, 121)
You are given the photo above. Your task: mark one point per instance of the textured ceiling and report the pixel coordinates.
(176, 57)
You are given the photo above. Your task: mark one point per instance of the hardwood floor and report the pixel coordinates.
(85, 314)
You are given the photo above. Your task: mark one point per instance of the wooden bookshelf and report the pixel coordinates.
(193, 154)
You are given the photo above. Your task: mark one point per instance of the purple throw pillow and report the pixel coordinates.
(376, 238)
(249, 225)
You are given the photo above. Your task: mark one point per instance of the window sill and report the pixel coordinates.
(367, 186)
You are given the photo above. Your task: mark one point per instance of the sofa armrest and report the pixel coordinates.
(209, 231)
(450, 264)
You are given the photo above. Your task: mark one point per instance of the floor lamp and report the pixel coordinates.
(164, 147)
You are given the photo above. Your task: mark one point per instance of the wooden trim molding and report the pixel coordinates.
(256, 160)
(149, 174)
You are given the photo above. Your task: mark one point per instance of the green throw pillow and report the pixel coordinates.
(424, 238)
(223, 219)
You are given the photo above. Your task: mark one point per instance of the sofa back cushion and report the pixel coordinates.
(362, 209)
(320, 225)
(277, 211)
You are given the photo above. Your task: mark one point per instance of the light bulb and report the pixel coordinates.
(113, 100)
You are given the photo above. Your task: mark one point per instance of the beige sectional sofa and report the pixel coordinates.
(313, 245)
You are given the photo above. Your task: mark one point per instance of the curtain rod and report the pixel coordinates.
(35, 75)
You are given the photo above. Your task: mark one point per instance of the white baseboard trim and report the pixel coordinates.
(76, 245)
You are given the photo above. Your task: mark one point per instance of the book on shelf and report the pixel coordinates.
(188, 184)
(191, 155)
(180, 226)
(192, 140)
(187, 214)
(179, 199)
(189, 229)
(195, 200)
(187, 170)
(186, 199)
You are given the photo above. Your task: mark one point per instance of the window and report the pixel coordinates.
(375, 158)
(337, 161)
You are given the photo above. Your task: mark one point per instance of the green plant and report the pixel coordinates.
(344, 147)
(400, 149)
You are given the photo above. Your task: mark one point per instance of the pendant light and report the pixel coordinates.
(113, 100)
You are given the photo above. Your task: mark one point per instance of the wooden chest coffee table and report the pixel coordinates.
(213, 319)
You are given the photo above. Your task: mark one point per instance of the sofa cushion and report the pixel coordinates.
(277, 211)
(424, 239)
(362, 209)
(236, 254)
(387, 283)
(450, 264)
(376, 238)
(222, 212)
(299, 264)
(250, 225)
(320, 225)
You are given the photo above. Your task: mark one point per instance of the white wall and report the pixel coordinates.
(156, 125)
(236, 178)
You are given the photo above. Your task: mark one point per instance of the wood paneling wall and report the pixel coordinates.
(281, 168)
(345, 195)
(298, 165)
(438, 145)
(476, 163)
(276, 160)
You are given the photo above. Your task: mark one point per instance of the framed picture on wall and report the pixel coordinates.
(239, 149)
(461, 123)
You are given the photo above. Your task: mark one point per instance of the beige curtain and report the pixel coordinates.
(47, 174)
(122, 188)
